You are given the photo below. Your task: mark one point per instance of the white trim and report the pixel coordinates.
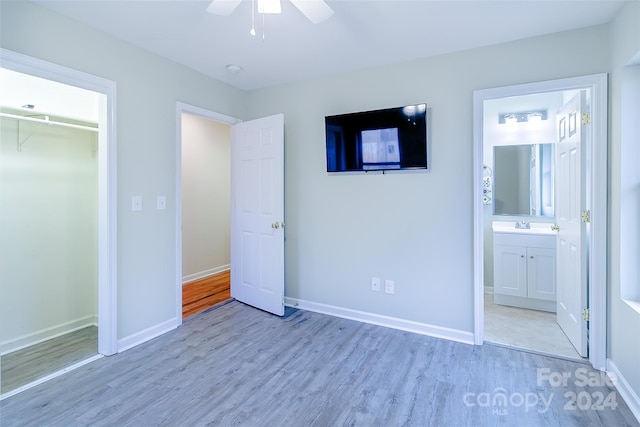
(380, 320)
(206, 273)
(148, 334)
(598, 205)
(50, 377)
(181, 108)
(598, 182)
(626, 391)
(46, 334)
(107, 180)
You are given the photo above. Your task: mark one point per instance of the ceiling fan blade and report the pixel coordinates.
(316, 10)
(223, 7)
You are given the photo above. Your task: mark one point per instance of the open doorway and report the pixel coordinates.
(497, 231)
(58, 222)
(520, 135)
(206, 206)
(203, 208)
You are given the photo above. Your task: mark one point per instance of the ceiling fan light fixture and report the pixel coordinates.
(269, 6)
(315, 10)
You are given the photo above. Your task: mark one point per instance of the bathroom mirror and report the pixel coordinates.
(523, 180)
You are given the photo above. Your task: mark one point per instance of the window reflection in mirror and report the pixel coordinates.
(523, 180)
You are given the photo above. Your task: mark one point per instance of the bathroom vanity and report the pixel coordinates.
(524, 265)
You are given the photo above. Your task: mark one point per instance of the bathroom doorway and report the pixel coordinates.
(520, 287)
(520, 172)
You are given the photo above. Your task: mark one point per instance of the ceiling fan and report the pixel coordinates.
(315, 10)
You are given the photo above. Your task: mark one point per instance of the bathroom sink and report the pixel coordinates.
(534, 228)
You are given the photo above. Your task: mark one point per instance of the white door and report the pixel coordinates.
(257, 213)
(571, 180)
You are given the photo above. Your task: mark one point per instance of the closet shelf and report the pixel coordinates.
(42, 122)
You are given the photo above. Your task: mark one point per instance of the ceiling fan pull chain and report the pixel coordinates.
(253, 18)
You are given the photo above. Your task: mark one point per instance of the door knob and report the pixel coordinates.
(276, 225)
(555, 227)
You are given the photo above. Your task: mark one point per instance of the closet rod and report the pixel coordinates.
(48, 122)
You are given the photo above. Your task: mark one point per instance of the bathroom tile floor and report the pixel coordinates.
(526, 329)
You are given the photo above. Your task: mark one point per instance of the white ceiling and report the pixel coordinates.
(360, 34)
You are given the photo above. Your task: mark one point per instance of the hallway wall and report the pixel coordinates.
(206, 197)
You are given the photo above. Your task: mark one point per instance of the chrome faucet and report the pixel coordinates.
(523, 224)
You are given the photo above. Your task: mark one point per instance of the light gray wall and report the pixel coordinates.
(624, 249)
(147, 90)
(48, 232)
(415, 228)
(206, 202)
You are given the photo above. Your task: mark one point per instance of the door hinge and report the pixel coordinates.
(585, 314)
(586, 118)
(586, 216)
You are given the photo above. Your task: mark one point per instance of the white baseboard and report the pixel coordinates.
(202, 274)
(624, 389)
(147, 334)
(380, 320)
(42, 335)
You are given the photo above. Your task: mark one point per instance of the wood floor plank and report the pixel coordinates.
(205, 293)
(236, 365)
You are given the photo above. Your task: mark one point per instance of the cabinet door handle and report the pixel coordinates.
(531, 257)
(521, 256)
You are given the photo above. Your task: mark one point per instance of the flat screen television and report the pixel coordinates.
(379, 140)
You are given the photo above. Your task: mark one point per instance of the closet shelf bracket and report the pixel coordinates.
(21, 142)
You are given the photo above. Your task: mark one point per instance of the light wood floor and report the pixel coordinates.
(202, 294)
(236, 365)
(526, 329)
(32, 363)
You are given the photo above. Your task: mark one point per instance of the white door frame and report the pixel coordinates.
(181, 108)
(107, 178)
(597, 196)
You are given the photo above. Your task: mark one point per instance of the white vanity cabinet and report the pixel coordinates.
(524, 268)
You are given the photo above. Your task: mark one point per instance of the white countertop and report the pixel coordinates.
(510, 227)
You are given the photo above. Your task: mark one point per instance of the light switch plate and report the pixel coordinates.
(161, 203)
(136, 203)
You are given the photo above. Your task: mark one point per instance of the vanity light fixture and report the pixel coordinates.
(510, 120)
(535, 121)
(523, 116)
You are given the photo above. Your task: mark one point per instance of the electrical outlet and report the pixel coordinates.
(375, 284)
(389, 286)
